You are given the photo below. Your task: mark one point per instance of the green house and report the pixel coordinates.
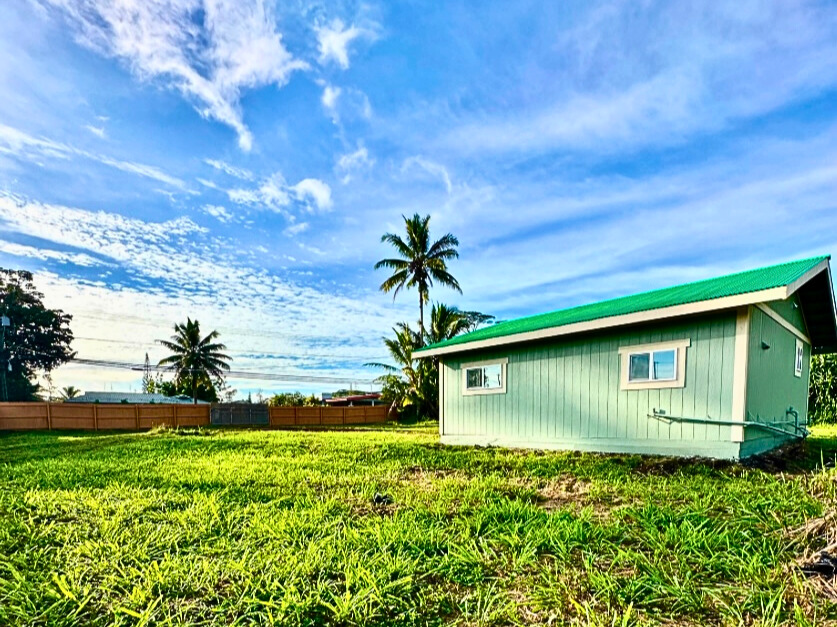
(716, 368)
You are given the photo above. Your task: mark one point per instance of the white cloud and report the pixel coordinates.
(233, 47)
(354, 161)
(271, 194)
(45, 254)
(296, 229)
(226, 168)
(430, 167)
(98, 131)
(24, 146)
(334, 40)
(315, 190)
(274, 194)
(330, 96)
(218, 212)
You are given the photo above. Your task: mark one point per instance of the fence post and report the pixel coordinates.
(176, 412)
(95, 417)
(295, 417)
(49, 416)
(136, 415)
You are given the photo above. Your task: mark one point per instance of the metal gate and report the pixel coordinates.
(239, 414)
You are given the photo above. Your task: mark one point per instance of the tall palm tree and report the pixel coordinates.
(195, 360)
(419, 262)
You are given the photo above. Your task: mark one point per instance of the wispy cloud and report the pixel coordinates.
(429, 167)
(45, 254)
(218, 212)
(349, 163)
(334, 40)
(98, 131)
(235, 46)
(226, 168)
(21, 145)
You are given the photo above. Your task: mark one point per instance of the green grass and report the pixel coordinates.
(279, 528)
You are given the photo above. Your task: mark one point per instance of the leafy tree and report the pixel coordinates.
(419, 262)
(206, 390)
(38, 338)
(347, 392)
(822, 399)
(293, 399)
(198, 362)
(69, 392)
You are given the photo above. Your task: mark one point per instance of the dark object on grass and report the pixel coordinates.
(382, 499)
(824, 566)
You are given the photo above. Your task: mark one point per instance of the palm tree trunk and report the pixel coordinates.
(421, 313)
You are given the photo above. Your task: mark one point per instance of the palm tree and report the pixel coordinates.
(69, 392)
(195, 360)
(419, 262)
(403, 382)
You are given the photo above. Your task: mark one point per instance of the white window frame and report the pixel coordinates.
(503, 363)
(678, 346)
(799, 358)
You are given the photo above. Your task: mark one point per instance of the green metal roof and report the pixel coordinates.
(708, 289)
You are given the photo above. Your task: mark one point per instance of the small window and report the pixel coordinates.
(658, 365)
(653, 366)
(800, 358)
(487, 377)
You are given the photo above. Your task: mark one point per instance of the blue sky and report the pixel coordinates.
(238, 161)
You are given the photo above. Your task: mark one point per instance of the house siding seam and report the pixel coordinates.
(565, 393)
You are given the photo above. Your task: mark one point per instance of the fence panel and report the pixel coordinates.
(282, 416)
(72, 416)
(333, 416)
(116, 416)
(24, 416)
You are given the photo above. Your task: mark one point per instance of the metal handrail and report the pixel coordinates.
(799, 432)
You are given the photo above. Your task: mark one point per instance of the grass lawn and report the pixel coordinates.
(279, 527)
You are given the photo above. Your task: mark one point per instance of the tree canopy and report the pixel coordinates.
(419, 262)
(198, 362)
(37, 339)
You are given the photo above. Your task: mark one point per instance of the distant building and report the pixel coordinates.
(373, 398)
(133, 398)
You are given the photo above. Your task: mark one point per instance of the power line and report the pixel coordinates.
(233, 374)
(234, 352)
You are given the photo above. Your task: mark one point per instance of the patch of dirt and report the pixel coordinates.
(563, 491)
(368, 508)
(425, 477)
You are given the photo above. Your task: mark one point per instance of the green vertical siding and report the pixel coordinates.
(565, 394)
(772, 386)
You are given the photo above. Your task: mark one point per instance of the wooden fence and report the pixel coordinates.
(96, 416)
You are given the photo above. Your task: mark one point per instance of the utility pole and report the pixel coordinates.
(4, 391)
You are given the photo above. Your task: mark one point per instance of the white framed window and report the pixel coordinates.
(484, 377)
(799, 358)
(658, 365)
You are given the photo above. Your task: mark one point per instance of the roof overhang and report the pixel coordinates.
(824, 317)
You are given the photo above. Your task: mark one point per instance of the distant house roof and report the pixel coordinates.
(131, 397)
(356, 398)
(810, 277)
